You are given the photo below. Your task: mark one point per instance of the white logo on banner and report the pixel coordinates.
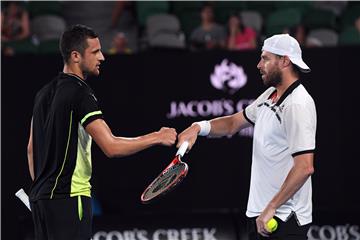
(158, 234)
(228, 77)
(208, 109)
(338, 232)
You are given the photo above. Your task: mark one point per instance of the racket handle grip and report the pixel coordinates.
(182, 149)
(21, 194)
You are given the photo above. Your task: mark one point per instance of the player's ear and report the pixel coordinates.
(75, 56)
(286, 61)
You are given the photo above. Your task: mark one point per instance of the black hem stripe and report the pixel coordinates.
(247, 119)
(303, 152)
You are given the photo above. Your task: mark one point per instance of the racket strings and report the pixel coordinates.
(165, 181)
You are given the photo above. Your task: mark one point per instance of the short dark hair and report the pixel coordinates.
(74, 39)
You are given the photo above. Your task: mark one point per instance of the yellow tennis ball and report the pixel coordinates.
(272, 225)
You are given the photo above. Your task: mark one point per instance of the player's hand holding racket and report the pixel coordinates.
(196, 129)
(171, 176)
(189, 135)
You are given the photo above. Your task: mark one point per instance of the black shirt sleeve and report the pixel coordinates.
(88, 109)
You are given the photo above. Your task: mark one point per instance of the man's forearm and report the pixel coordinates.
(228, 125)
(298, 175)
(31, 165)
(30, 153)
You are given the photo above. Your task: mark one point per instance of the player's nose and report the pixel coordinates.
(258, 65)
(101, 58)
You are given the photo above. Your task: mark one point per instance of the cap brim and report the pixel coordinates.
(301, 64)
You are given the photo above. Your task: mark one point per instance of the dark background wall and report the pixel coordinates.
(136, 92)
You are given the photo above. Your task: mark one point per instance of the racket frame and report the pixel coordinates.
(176, 161)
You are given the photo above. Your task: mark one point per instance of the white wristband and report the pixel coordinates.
(205, 127)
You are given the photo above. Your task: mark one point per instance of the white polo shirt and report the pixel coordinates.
(282, 131)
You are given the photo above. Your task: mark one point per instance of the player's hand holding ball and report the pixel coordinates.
(272, 225)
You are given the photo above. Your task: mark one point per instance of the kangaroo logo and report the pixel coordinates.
(228, 77)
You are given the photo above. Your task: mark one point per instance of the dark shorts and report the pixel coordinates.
(289, 230)
(62, 219)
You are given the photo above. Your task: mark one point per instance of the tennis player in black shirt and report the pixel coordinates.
(66, 117)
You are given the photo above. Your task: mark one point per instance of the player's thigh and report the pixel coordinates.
(40, 231)
(69, 218)
(289, 230)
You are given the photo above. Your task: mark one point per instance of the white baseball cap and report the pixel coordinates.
(285, 45)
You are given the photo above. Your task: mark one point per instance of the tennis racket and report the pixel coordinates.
(171, 176)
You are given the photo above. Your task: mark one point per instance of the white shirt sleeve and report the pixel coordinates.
(300, 127)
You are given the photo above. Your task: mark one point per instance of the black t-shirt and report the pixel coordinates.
(61, 146)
